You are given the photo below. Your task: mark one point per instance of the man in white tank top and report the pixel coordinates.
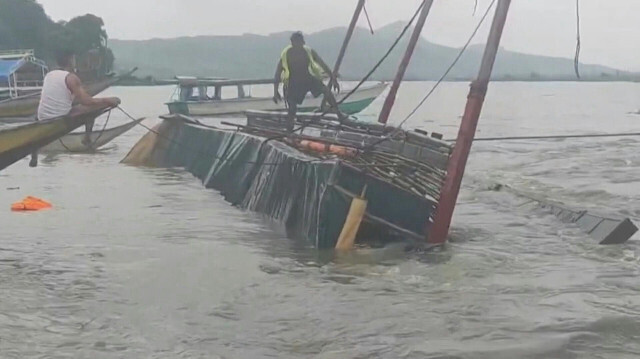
(62, 89)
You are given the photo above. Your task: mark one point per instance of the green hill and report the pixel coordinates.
(251, 56)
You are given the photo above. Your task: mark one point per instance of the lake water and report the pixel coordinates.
(146, 263)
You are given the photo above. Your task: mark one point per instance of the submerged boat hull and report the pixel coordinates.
(18, 142)
(309, 196)
(356, 103)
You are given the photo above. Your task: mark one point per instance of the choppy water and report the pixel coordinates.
(145, 263)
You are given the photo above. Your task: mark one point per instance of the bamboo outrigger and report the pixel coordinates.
(17, 142)
(73, 142)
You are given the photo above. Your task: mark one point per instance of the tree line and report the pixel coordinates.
(25, 25)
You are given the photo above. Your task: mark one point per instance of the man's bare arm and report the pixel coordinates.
(83, 98)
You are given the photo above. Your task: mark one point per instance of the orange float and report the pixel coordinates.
(30, 204)
(327, 148)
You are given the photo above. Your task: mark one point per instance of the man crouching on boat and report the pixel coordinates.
(61, 89)
(301, 70)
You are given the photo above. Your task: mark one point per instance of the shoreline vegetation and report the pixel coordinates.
(26, 25)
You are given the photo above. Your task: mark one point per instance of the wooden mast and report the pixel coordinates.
(402, 69)
(455, 171)
(347, 39)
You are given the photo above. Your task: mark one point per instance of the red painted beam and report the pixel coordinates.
(449, 195)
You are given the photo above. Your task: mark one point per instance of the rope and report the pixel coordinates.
(552, 137)
(380, 62)
(103, 129)
(576, 61)
(366, 14)
(453, 64)
(94, 142)
(63, 145)
(442, 78)
(383, 59)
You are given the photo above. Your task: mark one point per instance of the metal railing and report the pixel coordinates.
(20, 53)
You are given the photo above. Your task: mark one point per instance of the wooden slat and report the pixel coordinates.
(372, 218)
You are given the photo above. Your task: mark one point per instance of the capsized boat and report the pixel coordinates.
(16, 142)
(336, 179)
(100, 138)
(206, 97)
(307, 181)
(24, 108)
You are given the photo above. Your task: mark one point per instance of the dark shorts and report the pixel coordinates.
(298, 89)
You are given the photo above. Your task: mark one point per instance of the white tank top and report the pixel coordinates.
(56, 99)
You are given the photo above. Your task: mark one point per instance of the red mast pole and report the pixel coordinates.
(393, 92)
(457, 163)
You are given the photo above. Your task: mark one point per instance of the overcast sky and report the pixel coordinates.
(610, 28)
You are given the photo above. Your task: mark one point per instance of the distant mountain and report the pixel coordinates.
(255, 56)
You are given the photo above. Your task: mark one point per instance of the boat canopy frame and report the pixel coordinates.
(12, 66)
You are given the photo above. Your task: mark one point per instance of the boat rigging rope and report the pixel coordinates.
(104, 127)
(366, 14)
(441, 80)
(383, 59)
(576, 61)
(453, 64)
(553, 137)
(94, 142)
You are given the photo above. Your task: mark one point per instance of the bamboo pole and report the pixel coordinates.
(356, 214)
(404, 64)
(347, 39)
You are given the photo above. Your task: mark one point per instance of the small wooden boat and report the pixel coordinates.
(16, 142)
(24, 108)
(73, 141)
(195, 98)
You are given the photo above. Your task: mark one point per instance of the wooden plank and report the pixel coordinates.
(603, 228)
